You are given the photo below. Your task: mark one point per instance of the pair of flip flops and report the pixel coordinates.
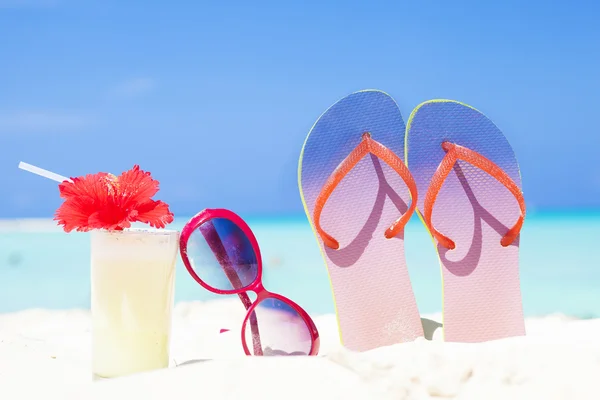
(362, 173)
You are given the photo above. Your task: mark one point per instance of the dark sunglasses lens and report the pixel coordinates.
(222, 256)
(275, 328)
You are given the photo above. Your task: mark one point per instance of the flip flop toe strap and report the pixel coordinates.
(454, 153)
(367, 146)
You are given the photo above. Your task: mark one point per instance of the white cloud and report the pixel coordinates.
(41, 122)
(134, 87)
(28, 3)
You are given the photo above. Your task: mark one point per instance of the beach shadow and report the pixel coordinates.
(429, 327)
(266, 352)
(274, 352)
(469, 262)
(189, 362)
(349, 255)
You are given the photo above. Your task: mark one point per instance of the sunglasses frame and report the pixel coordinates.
(256, 286)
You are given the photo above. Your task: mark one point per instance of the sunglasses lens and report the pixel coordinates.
(222, 256)
(275, 329)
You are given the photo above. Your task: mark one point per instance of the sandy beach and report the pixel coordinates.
(46, 353)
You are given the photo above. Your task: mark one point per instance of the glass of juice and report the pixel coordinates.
(132, 282)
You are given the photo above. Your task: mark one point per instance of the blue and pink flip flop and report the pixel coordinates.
(470, 200)
(358, 195)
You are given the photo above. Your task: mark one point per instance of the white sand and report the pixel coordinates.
(46, 355)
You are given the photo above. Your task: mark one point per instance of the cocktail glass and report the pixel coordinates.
(132, 279)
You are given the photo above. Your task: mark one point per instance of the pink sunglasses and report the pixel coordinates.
(219, 246)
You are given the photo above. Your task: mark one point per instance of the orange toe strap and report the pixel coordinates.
(454, 153)
(366, 146)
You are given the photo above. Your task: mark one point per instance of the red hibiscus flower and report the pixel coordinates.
(104, 201)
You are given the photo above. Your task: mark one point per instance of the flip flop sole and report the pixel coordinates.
(374, 300)
(481, 288)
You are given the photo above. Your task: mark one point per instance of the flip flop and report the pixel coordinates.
(471, 201)
(356, 191)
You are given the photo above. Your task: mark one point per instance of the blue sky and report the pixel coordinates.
(216, 98)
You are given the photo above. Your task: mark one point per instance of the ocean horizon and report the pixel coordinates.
(43, 267)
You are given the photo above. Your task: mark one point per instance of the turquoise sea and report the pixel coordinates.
(40, 266)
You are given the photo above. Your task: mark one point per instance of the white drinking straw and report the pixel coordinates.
(42, 172)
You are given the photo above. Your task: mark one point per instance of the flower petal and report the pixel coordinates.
(110, 219)
(93, 185)
(82, 197)
(135, 186)
(154, 213)
(111, 216)
(74, 214)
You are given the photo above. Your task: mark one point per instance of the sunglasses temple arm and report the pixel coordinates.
(217, 247)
